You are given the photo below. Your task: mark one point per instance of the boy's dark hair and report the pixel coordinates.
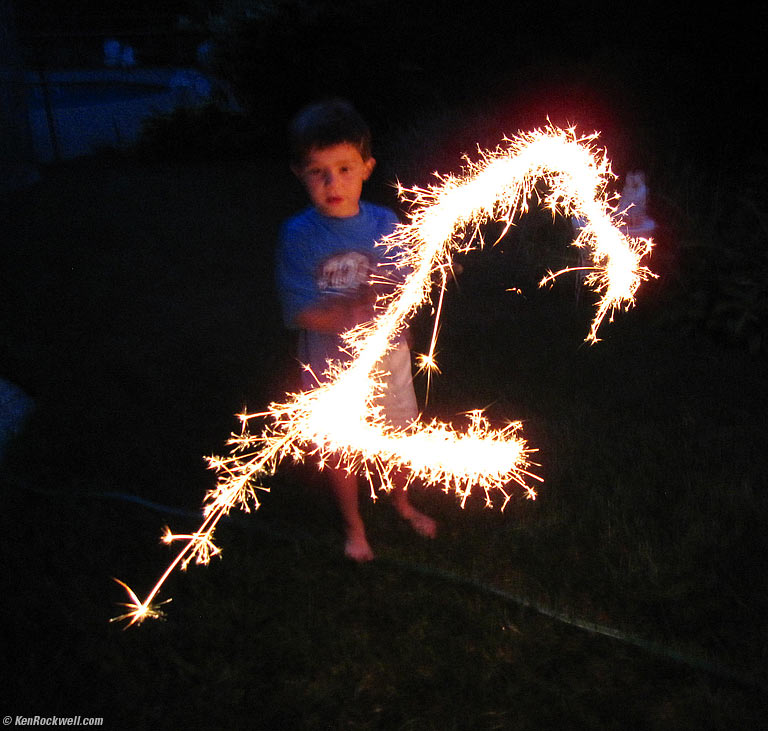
(327, 123)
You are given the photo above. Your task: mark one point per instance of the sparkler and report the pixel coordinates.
(341, 421)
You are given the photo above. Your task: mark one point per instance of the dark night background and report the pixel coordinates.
(138, 310)
(695, 74)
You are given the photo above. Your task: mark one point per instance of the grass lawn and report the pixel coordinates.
(138, 310)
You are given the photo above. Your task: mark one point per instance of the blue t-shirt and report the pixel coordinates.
(321, 256)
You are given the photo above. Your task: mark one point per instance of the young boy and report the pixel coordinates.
(325, 261)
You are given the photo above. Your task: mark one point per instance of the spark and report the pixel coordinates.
(341, 421)
(139, 610)
(426, 361)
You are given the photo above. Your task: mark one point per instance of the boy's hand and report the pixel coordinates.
(360, 308)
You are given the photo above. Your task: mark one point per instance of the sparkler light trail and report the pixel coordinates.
(341, 421)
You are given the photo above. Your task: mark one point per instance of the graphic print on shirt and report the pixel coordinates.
(344, 273)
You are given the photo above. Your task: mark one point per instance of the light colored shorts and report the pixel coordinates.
(398, 401)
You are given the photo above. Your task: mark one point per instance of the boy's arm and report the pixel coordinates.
(336, 314)
(340, 314)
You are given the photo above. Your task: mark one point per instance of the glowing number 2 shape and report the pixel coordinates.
(341, 421)
(341, 418)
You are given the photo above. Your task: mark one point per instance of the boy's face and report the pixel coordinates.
(334, 177)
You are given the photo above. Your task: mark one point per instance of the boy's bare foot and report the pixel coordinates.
(357, 549)
(422, 524)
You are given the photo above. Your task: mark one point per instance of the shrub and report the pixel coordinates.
(199, 133)
(722, 273)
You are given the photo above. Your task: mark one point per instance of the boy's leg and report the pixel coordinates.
(344, 488)
(398, 403)
(422, 524)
